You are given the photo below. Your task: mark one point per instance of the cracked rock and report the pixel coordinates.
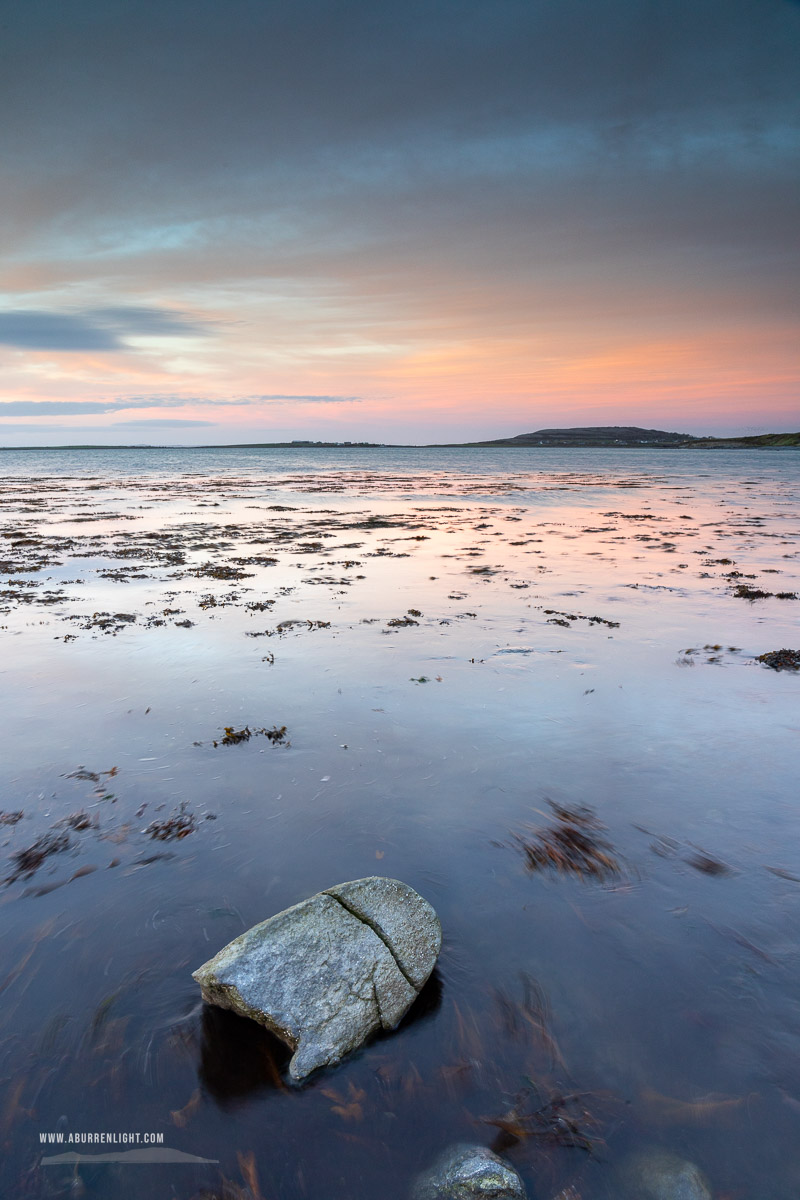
(327, 973)
(469, 1173)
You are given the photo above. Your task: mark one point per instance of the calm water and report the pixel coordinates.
(576, 656)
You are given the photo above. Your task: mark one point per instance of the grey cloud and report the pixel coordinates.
(401, 156)
(256, 79)
(295, 109)
(172, 400)
(52, 408)
(32, 330)
(94, 329)
(244, 100)
(63, 408)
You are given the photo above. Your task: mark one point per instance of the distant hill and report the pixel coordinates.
(593, 435)
(587, 435)
(744, 443)
(632, 435)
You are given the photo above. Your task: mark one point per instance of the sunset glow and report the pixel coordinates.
(397, 224)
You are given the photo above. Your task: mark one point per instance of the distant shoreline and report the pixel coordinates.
(765, 442)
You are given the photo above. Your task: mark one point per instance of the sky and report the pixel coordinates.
(436, 220)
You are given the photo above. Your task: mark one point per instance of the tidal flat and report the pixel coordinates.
(528, 684)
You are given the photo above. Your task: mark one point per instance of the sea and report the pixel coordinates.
(549, 689)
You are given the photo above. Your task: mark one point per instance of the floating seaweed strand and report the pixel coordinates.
(563, 1120)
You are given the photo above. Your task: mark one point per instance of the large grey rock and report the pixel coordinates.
(659, 1175)
(469, 1173)
(328, 972)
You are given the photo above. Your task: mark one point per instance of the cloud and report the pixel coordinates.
(280, 399)
(157, 423)
(32, 330)
(54, 408)
(363, 196)
(93, 329)
(171, 399)
(139, 321)
(64, 408)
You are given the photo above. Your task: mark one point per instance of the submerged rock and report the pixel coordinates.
(327, 973)
(660, 1175)
(464, 1172)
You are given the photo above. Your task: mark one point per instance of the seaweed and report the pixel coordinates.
(572, 847)
(714, 653)
(705, 1110)
(108, 622)
(31, 858)
(94, 776)
(234, 737)
(562, 1120)
(220, 571)
(79, 821)
(781, 660)
(275, 735)
(529, 1020)
(708, 865)
(175, 827)
(555, 614)
(293, 623)
(743, 591)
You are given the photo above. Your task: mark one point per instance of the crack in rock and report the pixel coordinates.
(376, 929)
(401, 918)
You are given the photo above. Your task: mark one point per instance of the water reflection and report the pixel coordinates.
(238, 1057)
(459, 654)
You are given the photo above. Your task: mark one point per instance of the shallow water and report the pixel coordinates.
(578, 644)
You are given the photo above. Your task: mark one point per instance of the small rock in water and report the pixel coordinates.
(467, 1172)
(659, 1175)
(327, 973)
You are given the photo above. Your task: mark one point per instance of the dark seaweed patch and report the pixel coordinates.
(781, 660)
(174, 828)
(563, 618)
(31, 858)
(234, 737)
(562, 1120)
(573, 846)
(743, 591)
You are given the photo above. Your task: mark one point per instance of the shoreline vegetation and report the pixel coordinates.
(603, 437)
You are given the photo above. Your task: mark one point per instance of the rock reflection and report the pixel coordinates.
(238, 1057)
